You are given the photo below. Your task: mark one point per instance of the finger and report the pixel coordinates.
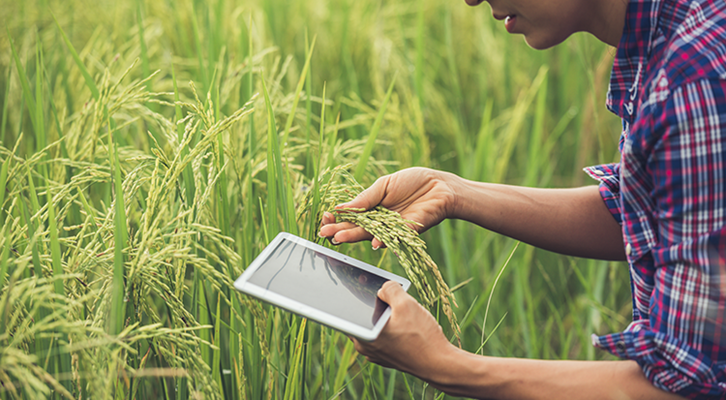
(351, 235)
(328, 218)
(370, 197)
(357, 345)
(392, 293)
(331, 230)
(377, 244)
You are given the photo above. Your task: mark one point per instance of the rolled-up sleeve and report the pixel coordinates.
(609, 177)
(675, 174)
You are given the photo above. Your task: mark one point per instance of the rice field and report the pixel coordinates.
(151, 149)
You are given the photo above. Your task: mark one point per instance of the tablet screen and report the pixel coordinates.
(322, 282)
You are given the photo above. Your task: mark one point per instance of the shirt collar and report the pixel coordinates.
(641, 21)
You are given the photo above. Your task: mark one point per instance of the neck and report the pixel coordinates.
(607, 20)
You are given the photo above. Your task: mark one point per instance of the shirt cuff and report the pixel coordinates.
(667, 362)
(609, 177)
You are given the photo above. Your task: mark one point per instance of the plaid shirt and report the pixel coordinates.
(668, 192)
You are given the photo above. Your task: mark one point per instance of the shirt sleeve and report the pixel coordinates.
(678, 164)
(609, 177)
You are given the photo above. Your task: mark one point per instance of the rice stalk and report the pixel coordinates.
(395, 232)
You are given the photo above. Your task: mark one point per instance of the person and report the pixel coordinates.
(662, 208)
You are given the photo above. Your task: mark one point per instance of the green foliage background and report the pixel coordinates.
(109, 296)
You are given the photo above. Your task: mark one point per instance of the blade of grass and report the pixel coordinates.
(41, 344)
(363, 162)
(484, 341)
(513, 131)
(286, 184)
(274, 167)
(292, 383)
(32, 230)
(222, 190)
(63, 360)
(203, 318)
(491, 293)
(64, 150)
(216, 358)
(250, 193)
(4, 121)
(29, 101)
(4, 309)
(55, 250)
(308, 108)
(264, 223)
(298, 90)
(187, 174)
(118, 287)
(145, 70)
(535, 141)
(419, 76)
(346, 360)
(86, 76)
(198, 44)
(3, 184)
(482, 162)
(40, 138)
(316, 195)
(4, 267)
(331, 145)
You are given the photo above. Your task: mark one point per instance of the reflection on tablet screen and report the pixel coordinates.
(322, 282)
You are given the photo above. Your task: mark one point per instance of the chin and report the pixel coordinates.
(543, 43)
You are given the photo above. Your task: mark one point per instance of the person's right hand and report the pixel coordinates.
(421, 195)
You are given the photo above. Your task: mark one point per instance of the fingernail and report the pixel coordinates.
(334, 241)
(376, 247)
(343, 205)
(320, 234)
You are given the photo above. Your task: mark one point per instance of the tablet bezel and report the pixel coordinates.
(242, 284)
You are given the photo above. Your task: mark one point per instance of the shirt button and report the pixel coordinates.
(628, 249)
(598, 172)
(620, 346)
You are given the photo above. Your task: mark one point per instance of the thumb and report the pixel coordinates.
(392, 293)
(370, 197)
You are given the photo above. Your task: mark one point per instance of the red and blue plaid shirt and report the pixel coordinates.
(668, 192)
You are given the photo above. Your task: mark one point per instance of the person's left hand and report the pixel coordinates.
(412, 341)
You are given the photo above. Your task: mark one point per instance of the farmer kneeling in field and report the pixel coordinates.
(662, 208)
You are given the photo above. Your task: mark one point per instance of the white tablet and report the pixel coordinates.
(320, 284)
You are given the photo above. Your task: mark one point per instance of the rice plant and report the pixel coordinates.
(150, 150)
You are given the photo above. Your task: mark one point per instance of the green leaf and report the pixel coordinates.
(296, 97)
(29, 100)
(216, 363)
(361, 168)
(86, 76)
(292, 383)
(40, 136)
(117, 295)
(274, 167)
(3, 185)
(316, 178)
(55, 246)
(249, 189)
(145, 70)
(187, 173)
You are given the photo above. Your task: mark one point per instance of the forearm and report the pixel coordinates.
(469, 375)
(568, 221)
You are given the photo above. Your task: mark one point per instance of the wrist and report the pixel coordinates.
(459, 373)
(456, 205)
